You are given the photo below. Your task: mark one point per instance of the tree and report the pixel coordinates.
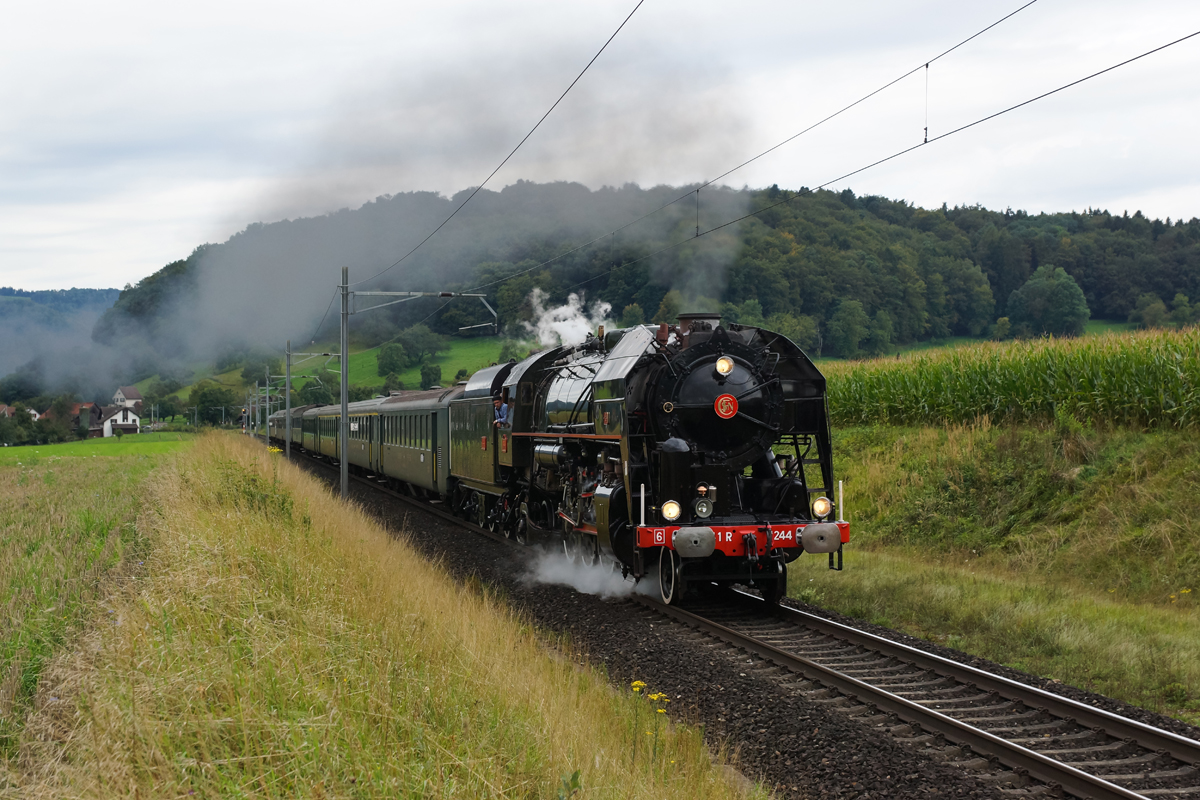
(1049, 302)
(802, 329)
(315, 393)
(210, 398)
(391, 359)
(431, 375)
(169, 407)
(512, 350)
(461, 375)
(1150, 312)
(256, 369)
(632, 316)
(358, 393)
(1183, 312)
(848, 326)
(751, 313)
(420, 343)
(392, 384)
(55, 424)
(668, 310)
(879, 338)
(21, 429)
(1002, 329)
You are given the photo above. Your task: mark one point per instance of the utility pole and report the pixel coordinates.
(287, 402)
(266, 419)
(254, 411)
(344, 426)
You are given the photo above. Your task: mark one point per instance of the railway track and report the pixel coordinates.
(1016, 732)
(1021, 738)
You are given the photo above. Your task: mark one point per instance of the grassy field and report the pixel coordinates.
(129, 445)
(278, 642)
(1068, 553)
(1145, 379)
(64, 524)
(469, 354)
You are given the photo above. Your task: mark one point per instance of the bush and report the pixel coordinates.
(1049, 302)
(392, 358)
(632, 316)
(431, 375)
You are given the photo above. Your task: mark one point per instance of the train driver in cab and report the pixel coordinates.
(500, 409)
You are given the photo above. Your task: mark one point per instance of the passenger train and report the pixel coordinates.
(697, 452)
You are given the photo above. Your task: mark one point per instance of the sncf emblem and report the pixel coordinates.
(726, 406)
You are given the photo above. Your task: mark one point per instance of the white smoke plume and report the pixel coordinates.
(602, 580)
(565, 324)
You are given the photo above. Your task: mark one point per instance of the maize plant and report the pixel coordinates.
(1147, 379)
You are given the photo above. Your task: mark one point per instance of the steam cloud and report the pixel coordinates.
(565, 324)
(555, 568)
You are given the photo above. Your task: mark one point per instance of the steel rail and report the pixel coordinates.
(1022, 760)
(1157, 739)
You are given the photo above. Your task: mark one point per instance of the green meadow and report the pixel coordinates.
(130, 445)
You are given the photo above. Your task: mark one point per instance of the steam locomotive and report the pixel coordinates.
(697, 452)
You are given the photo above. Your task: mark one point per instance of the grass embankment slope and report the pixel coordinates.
(278, 642)
(1067, 549)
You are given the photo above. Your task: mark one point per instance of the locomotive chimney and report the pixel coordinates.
(698, 322)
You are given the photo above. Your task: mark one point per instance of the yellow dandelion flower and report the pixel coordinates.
(1185, 591)
(662, 711)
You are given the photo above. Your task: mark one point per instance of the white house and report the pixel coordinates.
(119, 418)
(127, 396)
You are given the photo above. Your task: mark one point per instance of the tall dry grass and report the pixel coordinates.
(1145, 379)
(280, 644)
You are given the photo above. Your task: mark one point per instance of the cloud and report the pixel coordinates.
(131, 135)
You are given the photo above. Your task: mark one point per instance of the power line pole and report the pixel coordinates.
(267, 418)
(287, 402)
(344, 426)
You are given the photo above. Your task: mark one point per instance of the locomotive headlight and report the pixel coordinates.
(822, 506)
(724, 365)
(703, 508)
(671, 510)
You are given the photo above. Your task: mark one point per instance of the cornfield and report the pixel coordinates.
(1148, 379)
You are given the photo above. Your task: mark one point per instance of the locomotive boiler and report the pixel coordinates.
(698, 452)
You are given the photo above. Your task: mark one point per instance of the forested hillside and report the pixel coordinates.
(843, 274)
(37, 322)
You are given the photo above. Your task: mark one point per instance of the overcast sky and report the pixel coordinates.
(132, 132)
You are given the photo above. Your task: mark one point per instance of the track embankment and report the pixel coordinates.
(801, 746)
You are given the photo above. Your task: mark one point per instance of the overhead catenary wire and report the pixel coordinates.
(478, 188)
(317, 330)
(924, 65)
(896, 155)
